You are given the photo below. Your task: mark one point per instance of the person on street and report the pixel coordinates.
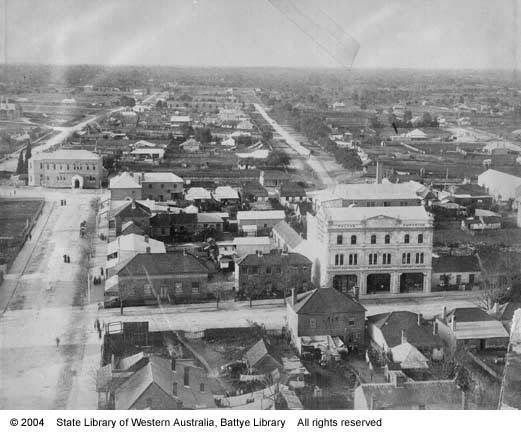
(57, 342)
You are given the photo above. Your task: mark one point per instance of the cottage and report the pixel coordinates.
(191, 385)
(198, 195)
(259, 222)
(285, 237)
(226, 195)
(403, 393)
(472, 328)
(161, 186)
(254, 192)
(325, 312)
(456, 272)
(150, 387)
(291, 194)
(158, 278)
(148, 154)
(270, 274)
(259, 360)
(387, 331)
(126, 246)
(122, 212)
(124, 187)
(191, 146)
(273, 178)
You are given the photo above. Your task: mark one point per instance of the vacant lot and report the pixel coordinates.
(17, 214)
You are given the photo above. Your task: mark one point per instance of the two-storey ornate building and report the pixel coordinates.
(372, 250)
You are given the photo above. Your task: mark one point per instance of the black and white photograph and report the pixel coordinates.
(259, 205)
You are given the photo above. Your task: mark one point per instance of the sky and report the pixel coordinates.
(453, 34)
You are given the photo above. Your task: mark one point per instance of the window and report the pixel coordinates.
(387, 239)
(339, 239)
(386, 259)
(150, 186)
(253, 270)
(353, 240)
(406, 238)
(268, 269)
(351, 323)
(408, 258)
(458, 279)
(174, 389)
(67, 167)
(178, 288)
(387, 204)
(373, 258)
(195, 287)
(417, 258)
(422, 258)
(373, 239)
(350, 259)
(355, 259)
(186, 376)
(339, 259)
(313, 323)
(201, 387)
(420, 238)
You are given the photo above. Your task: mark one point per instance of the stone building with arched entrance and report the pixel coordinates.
(77, 169)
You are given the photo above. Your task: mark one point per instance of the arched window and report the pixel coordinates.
(406, 238)
(373, 239)
(422, 258)
(355, 259)
(404, 258)
(375, 258)
(339, 239)
(408, 258)
(353, 240)
(420, 238)
(387, 239)
(370, 258)
(417, 258)
(336, 259)
(350, 259)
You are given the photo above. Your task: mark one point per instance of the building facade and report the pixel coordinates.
(78, 169)
(374, 250)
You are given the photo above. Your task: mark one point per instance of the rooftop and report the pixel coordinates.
(242, 241)
(360, 214)
(455, 263)
(225, 192)
(135, 243)
(170, 263)
(124, 181)
(261, 214)
(63, 154)
(369, 191)
(288, 234)
(326, 300)
(161, 177)
(274, 258)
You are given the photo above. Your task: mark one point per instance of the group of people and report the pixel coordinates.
(66, 258)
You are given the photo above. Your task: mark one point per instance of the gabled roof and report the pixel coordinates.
(170, 263)
(124, 181)
(391, 325)
(161, 177)
(135, 243)
(409, 357)
(274, 258)
(157, 371)
(197, 193)
(469, 314)
(327, 301)
(455, 264)
(440, 394)
(122, 206)
(131, 227)
(292, 189)
(256, 353)
(63, 154)
(225, 192)
(261, 214)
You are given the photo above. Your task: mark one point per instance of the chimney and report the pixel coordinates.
(142, 177)
(404, 336)
(444, 314)
(146, 238)
(133, 205)
(420, 318)
(379, 174)
(464, 403)
(293, 297)
(185, 252)
(435, 327)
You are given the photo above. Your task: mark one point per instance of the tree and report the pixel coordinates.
(20, 165)
(203, 135)
(427, 118)
(277, 159)
(445, 279)
(28, 155)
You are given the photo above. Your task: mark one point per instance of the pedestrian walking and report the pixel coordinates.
(57, 342)
(99, 333)
(65, 258)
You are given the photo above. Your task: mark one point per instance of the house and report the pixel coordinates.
(169, 226)
(325, 312)
(285, 237)
(207, 221)
(456, 271)
(77, 169)
(198, 195)
(251, 245)
(259, 222)
(277, 272)
(126, 246)
(291, 194)
(409, 358)
(190, 146)
(273, 178)
(259, 360)
(150, 387)
(148, 154)
(403, 393)
(386, 331)
(254, 192)
(471, 196)
(471, 327)
(226, 195)
(483, 220)
(124, 187)
(191, 386)
(161, 186)
(500, 185)
(153, 278)
(122, 212)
